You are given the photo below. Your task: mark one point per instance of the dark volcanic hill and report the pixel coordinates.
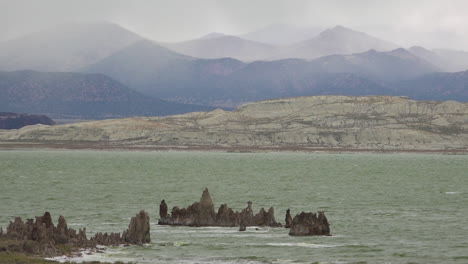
(64, 48)
(75, 95)
(15, 121)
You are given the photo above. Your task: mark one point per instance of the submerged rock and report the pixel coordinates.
(242, 227)
(203, 214)
(309, 224)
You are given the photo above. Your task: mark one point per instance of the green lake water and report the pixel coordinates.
(383, 208)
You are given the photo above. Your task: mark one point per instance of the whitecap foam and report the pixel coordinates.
(89, 255)
(181, 243)
(452, 192)
(306, 245)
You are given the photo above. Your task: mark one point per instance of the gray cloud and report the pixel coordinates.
(432, 23)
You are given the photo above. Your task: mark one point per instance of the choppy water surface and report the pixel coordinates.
(399, 208)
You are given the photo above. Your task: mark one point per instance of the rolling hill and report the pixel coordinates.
(373, 123)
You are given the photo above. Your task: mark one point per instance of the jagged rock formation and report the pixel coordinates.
(309, 224)
(41, 237)
(206, 211)
(16, 121)
(288, 219)
(138, 231)
(203, 214)
(163, 209)
(316, 122)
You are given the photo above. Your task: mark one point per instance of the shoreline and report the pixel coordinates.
(5, 146)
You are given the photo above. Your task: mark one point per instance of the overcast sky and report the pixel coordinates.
(431, 23)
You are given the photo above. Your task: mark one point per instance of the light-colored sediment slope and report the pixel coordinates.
(316, 122)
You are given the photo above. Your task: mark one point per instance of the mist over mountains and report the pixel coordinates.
(100, 70)
(66, 47)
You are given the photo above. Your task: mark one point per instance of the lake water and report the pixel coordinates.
(383, 208)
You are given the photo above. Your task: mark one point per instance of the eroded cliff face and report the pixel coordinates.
(328, 122)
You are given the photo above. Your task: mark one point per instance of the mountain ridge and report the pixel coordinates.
(229, 82)
(78, 95)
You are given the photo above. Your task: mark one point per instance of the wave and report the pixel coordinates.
(306, 245)
(175, 244)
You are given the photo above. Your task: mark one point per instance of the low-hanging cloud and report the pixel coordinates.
(430, 23)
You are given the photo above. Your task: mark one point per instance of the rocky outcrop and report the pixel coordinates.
(288, 219)
(380, 123)
(108, 239)
(203, 214)
(206, 211)
(310, 224)
(163, 209)
(138, 231)
(42, 237)
(16, 121)
(226, 216)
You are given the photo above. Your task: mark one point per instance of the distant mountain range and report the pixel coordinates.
(394, 65)
(123, 74)
(440, 86)
(337, 40)
(157, 71)
(75, 95)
